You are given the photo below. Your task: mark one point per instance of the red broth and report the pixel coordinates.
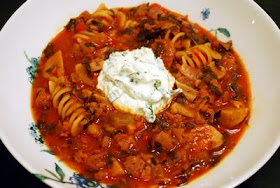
(189, 137)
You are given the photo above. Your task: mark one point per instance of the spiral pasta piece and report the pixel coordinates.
(107, 14)
(69, 107)
(130, 24)
(121, 19)
(176, 37)
(167, 34)
(219, 71)
(103, 17)
(123, 22)
(198, 55)
(58, 95)
(83, 36)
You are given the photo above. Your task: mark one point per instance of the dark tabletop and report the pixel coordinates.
(11, 171)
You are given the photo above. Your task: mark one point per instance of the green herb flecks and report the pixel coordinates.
(152, 110)
(157, 84)
(124, 53)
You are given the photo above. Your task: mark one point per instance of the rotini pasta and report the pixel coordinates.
(69, 108)
(176, 37)
(198, 55)
(100, 18)
(83, 36)
(123, 22)
(219, 71)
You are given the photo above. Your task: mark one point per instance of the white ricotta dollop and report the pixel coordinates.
(137, 82)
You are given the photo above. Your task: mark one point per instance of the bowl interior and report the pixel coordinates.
(255, 37)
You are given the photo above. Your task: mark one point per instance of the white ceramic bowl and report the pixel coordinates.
(256, 38)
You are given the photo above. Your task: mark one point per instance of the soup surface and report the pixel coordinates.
(200, 83)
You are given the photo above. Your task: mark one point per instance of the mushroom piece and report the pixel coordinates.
(177, 108)
(121, 19)
(83, 74)
(229, 118)
(227, 45)
(96, 65)
(216, 137)
(54, 64)
(117, 169)
(99, 98)
(188, 91)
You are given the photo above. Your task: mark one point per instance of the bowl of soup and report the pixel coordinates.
(142, 93)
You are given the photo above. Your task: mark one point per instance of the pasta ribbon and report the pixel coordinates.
(96, 65)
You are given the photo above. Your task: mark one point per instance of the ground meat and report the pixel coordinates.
(80, 156)
(43, 99)
(96, 161)
(106, 141)
(134, 166)
(94, 130)
(100, 175)
(158, 171)
(125, 142)
(98, 109)
(180, 156)
(165, 140)
(179, 133)
(163, 49)
(229, 61)
(142, 10)
(154, 12)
